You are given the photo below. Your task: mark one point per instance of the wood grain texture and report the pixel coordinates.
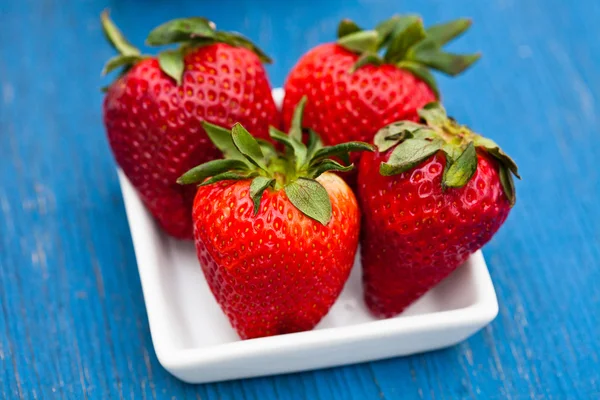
(72, 317)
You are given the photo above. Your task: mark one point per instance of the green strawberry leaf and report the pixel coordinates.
(434, 114)
(257, 188)
(228, 176)
(443, 33)
(222, 140)
(340, 150)
(386, 28)
(171, 62)
(120, 61)
(387, 142)
(328, 165)
(366, 59)
(360, 42)
(452, 152)
(495, 150)
(296, 125)
(267, 148)
(394, 133)
(211, 168)
(425, 133)
(181, 30)
(508, 185)
(314, 144)
(346, 27)
(311, 198)
(392, 27)
(408, 154)
(298, 149)
(238, 40)
(247, 145)
(420, 72)
(408, 31)
(429, 53)
(459, 172)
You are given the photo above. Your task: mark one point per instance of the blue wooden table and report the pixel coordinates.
(72, 318)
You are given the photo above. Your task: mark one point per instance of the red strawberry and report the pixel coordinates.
(276, 234)
(352, 92)
(431, 196)
(153, 112)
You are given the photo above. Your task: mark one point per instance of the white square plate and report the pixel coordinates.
(194, 341)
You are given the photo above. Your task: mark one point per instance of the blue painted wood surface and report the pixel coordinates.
(72, 317)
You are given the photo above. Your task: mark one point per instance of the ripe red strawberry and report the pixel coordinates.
(153, 112)
(276, 234)
(431, 196)
(352, 92)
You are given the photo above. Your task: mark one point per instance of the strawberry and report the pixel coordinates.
(431, 195)
(353, 92)
(154, 110)
(276, 234)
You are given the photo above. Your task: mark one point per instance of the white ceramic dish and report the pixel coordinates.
(194, 341)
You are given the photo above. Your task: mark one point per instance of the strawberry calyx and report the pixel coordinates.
(294, 170)
(413, 143)
(190, 33)
(406, 43)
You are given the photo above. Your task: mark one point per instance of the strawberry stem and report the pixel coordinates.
(116, 38)
(281, 170)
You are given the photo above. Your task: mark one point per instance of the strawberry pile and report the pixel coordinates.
(275, 223)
